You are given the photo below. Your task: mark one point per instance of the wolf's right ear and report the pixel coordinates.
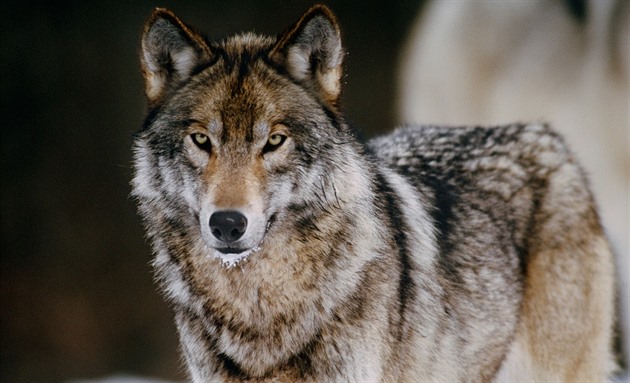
(170, 52)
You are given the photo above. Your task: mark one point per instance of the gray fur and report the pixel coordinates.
(431, 254)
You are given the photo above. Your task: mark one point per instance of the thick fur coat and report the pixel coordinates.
(292, 251)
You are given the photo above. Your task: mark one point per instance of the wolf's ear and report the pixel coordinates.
(311, 52)
(170, 52)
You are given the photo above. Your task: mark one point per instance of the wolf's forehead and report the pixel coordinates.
(242, 91)
(242, 111)
(242, 87)
(237, 107)
(251, 89)
(240, 75)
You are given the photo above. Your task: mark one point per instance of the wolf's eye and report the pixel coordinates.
(274, 142)
(202, 141)
(276, 139)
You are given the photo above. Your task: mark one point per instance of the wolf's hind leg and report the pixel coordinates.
(567, 314)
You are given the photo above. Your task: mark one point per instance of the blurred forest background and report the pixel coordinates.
(77, 296)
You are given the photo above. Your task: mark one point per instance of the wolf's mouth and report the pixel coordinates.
(230, 250)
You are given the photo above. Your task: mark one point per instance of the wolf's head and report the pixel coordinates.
(241, 132)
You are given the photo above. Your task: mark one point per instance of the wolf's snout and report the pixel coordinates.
(228, 226)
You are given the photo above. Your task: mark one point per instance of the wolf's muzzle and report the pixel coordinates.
(228, 226)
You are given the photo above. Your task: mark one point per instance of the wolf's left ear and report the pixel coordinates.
(311, 52)
(170, 52)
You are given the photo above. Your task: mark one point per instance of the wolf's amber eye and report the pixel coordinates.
(274, 142)
(202, 141)
(275, 139)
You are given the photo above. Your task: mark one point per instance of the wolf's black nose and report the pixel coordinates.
(228, 226)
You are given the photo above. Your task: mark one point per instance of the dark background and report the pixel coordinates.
(76, 289)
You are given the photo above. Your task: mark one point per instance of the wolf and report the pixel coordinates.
(292, 250)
